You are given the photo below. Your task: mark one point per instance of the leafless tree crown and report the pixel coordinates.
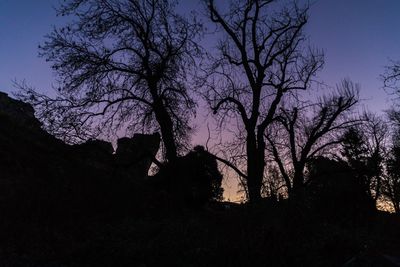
(119, 64)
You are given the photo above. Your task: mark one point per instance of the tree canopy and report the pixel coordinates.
(120, 64)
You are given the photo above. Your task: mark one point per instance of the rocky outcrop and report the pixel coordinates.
(192, 180)
(134, 155)
(19, 112)
(42, 176)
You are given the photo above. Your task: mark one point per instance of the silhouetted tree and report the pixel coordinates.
(120, 64)
(272, 183)
(377, 132)
(354, 147)
(363, 147)
(260, 59)
(335, 193)
(302, 133)
(391, 76)
(391, 182)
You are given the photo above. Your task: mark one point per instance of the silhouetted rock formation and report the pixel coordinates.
(191, 180)
(134, 155)
(19, 112)
(43, 177)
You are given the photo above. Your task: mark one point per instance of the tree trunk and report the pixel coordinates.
(167, 131)
(298, 177)
(255, 167)
(298, 180)
(378, 187)
(164, 121)
(254, 182)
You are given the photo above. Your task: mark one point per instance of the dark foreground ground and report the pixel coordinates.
(239, 236)
(64, 205)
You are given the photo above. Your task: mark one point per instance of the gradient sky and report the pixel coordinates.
(358, 37)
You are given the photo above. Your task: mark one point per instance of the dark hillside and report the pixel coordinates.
(43, 177)
(82, 205)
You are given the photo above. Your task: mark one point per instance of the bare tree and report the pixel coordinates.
(120, 64)
(364, 148)
(260, 59)
(391, 76)
(304, 132)
(377, 132)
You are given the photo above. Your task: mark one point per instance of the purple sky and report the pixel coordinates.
(358, 37)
